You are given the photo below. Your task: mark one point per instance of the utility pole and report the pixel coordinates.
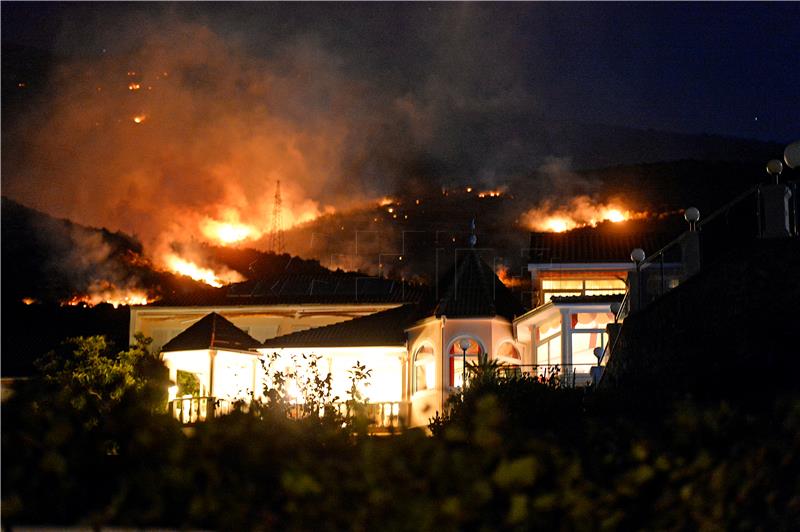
(276, 241)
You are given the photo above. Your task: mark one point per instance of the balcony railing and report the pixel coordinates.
(732, 225)
(191, 410)
(381, 416)
(567, 375)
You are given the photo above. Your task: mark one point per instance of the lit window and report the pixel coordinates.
(424, 369)
(548, 353)
(558, 284)
(583, 346)
(547, 336)
(507, 350)
(457, 359)
(582, 287)
(605, 284)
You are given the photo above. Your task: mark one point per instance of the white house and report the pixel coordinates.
(414, 345)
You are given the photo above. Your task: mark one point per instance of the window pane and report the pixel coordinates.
(457, 369)
(562, 284)
(583, 345)
(555, 350)
(542, 357)
(474, 347)
(605, 292)
(617, 284)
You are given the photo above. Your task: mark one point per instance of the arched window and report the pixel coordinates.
(457, 356)
(508, 350)
(510, 358)
(424, 369)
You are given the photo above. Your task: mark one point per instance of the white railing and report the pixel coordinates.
(191, 410)
(567, 375)
(381, 416)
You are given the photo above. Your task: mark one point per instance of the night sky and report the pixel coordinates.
(731, 69)
(155, 119)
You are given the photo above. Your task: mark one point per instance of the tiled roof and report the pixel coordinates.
(385, 328)
(471, 289)
(616, 298)
(212, 332)
(300, 289)
(606, 243)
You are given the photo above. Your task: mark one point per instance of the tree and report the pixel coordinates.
(96, 379)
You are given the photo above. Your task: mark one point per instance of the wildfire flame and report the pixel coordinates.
(506, 279)
(496, 193)
(108, 293)
(229, 230)
(581, 211)
(198, 273)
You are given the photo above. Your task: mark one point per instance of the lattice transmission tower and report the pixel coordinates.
(276, 240)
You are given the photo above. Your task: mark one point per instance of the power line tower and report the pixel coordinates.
(276, 241)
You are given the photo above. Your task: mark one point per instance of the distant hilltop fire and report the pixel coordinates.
(581, 211)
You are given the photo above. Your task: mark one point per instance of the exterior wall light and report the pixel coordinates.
(792, 155)
(692, 215)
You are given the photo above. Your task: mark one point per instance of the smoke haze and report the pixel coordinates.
(159, 119)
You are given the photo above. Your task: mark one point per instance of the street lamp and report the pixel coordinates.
(464, 344)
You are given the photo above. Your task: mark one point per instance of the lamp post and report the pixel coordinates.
(464, 344)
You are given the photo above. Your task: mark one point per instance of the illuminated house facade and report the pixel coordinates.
(414, 343)
(576, 277)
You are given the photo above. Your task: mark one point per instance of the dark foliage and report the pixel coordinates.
(515, 453)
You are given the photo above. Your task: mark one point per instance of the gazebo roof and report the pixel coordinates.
(212, 332)
(472, 289)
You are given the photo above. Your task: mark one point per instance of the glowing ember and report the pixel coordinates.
(198, 273)
(229, 231)
(580, 212)
(29, 300)
(386, 200)
(139, 118)
(134, 86)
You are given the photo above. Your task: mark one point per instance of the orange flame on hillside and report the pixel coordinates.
(104, 292)
(581, 211)
(208, 276)
(496, 193)
(229, 230)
